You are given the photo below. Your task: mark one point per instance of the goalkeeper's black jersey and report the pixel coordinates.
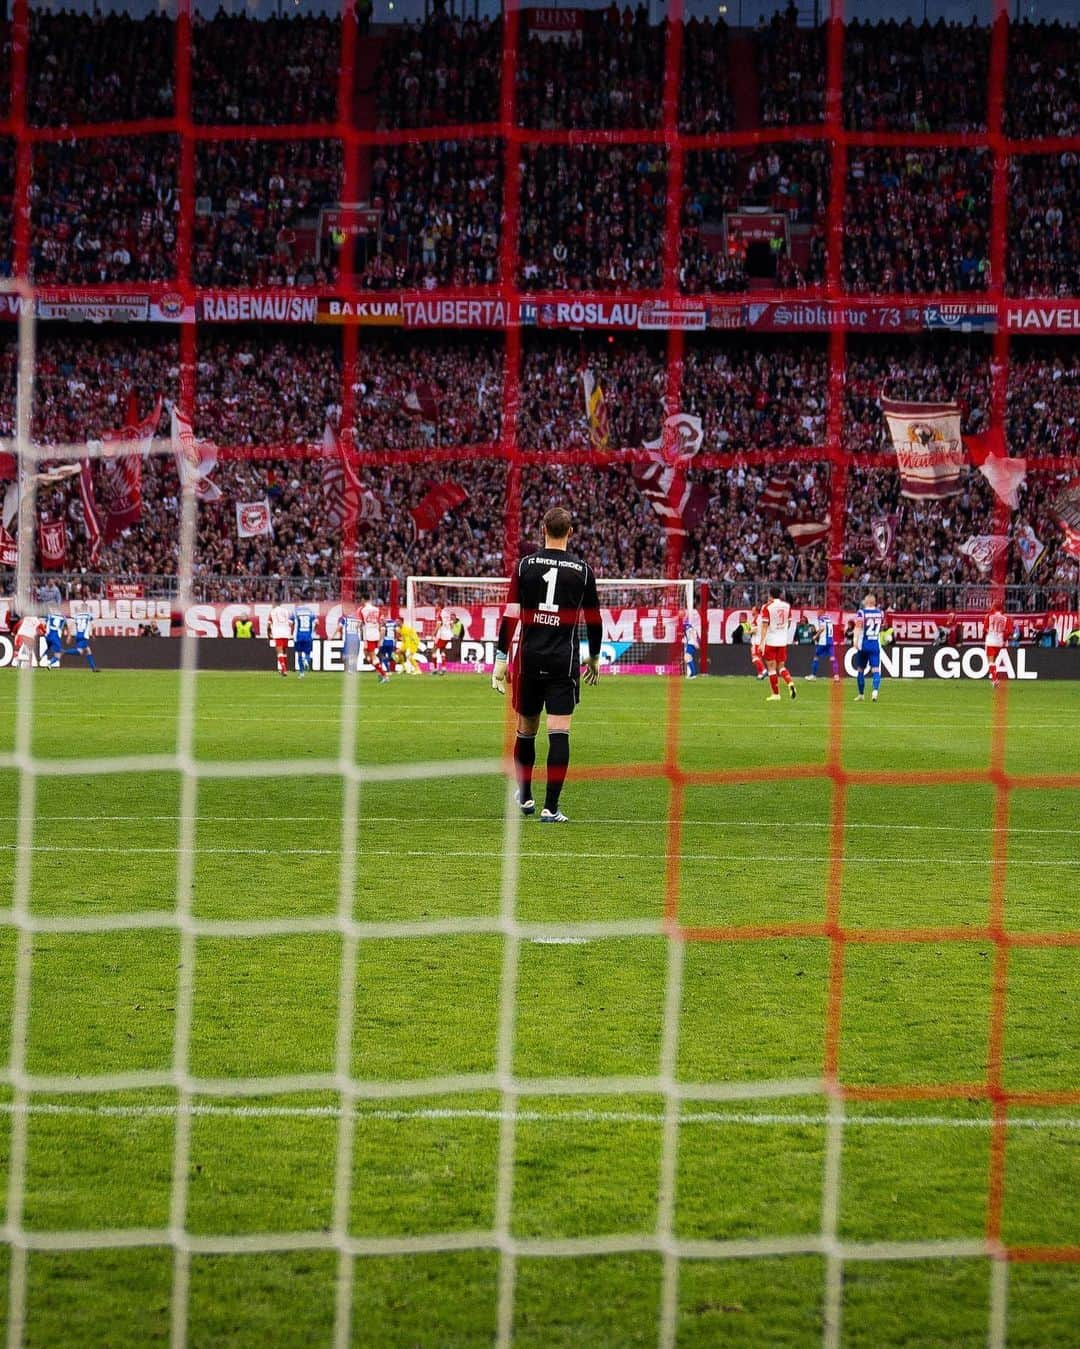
(554, 591)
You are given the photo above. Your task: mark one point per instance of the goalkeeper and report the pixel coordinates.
(550, 592)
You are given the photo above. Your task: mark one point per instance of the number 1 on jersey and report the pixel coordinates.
(550, 577)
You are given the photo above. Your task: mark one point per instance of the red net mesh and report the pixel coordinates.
(839, 140)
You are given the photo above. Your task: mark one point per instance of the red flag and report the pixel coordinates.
(776, 497)
(679, 503)
(806, 533)
(883, 535)
(423, 401)
(9, 468)
(120, 479)
(1066, 505)
(341, 488)
(439, 498)
(90, 511)
(52, 544)
(9, 549)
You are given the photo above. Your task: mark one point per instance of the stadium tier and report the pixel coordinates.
(529, 348)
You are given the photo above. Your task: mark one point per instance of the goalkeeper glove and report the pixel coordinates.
(498, 675)
(592, 670)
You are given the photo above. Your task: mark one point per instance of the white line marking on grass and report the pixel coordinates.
(753, 1119)
(457, 820)
(608, 856)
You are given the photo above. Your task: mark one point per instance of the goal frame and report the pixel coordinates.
(673, 595)
(602, 583)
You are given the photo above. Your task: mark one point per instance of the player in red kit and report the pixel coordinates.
(997, 623)
(755, 650)
(773, 625)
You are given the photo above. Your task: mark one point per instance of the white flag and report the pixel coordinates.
(985, 549)
(195, 459)
(1006, 477)
(929, 450)
(253, 519)
(1030, 547)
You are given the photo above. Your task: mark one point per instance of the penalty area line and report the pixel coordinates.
(744, 1118)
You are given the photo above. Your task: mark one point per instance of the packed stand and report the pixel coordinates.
(258, 387)
(258, 200)
(444, 72)
(1044, 399)
(441, 205)
(264, 387)
(608, 76)
(104, 210)
(735, 543)
(793, 179)
(267, 72)
(908, 77)
(791, 65)
(754, 396)
(917, 221)
(1044, 225)
(99, 68)
(1042, 95)
(592, 218)
(705, 102)
(436, 391)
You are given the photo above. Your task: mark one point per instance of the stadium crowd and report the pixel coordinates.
(104, 209)
(915, 220)
(265, 71)
(444, 72)
(265, 389)
(1042, 95)
(908, 77)
(257, 205)
(1044, 225)
(592, 218)
(98, 67)
(441, 205)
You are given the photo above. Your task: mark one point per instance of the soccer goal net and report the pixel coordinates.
(642, 618)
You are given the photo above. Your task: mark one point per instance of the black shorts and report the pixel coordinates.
(534, 692)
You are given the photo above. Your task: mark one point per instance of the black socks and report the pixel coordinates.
(524, 758)
(557, 761)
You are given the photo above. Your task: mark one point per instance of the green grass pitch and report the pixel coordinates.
(586, 1165)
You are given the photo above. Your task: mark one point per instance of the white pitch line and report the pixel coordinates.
(417, 820)
(732, 857)
(755, 1119)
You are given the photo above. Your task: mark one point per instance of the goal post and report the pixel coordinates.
(641, 617)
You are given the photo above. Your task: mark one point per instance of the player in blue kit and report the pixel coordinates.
(303, 625)
(825, 646)
(387, 646)
(691, 644)
(349, 627)
(868, 624)
(55, 626)
(84, 628)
